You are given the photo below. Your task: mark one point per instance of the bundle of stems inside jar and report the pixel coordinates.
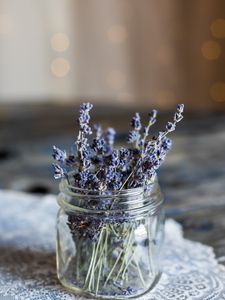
(96, 167)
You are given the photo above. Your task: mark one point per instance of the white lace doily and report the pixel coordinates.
(27, 257)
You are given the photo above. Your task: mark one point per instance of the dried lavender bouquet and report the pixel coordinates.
(106, 262)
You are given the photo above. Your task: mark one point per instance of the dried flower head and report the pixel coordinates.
(98, 166)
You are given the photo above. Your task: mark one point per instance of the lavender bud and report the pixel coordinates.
(136, 122)
(180, 108)
(59, 155)
(86, 106)
(170, 126)
(99, 144)
(84, 118)
(152, 117)
(98, 130)
(167, 144)
(114, 159)
(59, 172)
(110, 135)
(133, 136)
(128, 291)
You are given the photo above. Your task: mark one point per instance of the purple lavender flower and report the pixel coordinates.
(99, 145)
(152, 117)
(82, 142)
(180, 108)
(59, 172)
(128, 291)
(151, 121)
(114, 159)
(133, 136)
(98, 130)
(84, 118)
(85, 226)
(170, 126)
(100, 167)
(166, 144)
(125, 291)
(136, 122)
(59, 155)
(109, 174)
(178, 116)
(124, 155)
(110, 136)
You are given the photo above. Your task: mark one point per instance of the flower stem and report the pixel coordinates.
(112, 270)
(94, 260)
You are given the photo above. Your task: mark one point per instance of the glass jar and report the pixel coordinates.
(108, 246)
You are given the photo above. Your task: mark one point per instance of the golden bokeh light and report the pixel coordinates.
(60, 42)
(116, 79)
(60, 67)
(6, 24)
(217, 91)
(117, 34)
(218, 28)
(211, 50)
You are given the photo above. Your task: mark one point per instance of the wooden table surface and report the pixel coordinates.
(192, 178)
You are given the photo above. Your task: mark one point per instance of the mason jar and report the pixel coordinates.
(109, 245)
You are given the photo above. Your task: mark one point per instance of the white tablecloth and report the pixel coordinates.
(27, 256)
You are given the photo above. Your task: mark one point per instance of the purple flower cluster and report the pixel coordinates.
(97, 166)
(81, 226)
(125, 291)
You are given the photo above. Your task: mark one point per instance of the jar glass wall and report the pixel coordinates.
(109, 246)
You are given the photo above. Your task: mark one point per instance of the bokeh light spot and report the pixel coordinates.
(218, 28)
(211, 50)
(60, 67)
(117, 34)
(60, 42)
(217, 91)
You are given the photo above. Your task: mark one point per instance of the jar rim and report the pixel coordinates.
(133, 200)
(81, 192)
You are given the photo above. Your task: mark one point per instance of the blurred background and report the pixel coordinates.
(125, 52)
(123, 56)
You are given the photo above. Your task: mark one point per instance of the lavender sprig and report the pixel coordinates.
(151, 121)
(59, 155)
(59, 172)
(134, 135)
(99, 167)
(110, 136)
(82, 141)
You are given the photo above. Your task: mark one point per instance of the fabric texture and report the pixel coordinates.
(27, 257)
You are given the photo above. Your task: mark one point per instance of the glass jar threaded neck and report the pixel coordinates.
(128, 201)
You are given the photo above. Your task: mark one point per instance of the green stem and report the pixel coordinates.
(94, 261)
(127, 265)
(101, 256)
(139, 271)
(151, 263)
(116, 262)
(126, 250)
(98, 279)
(113, 230)
(90, 266)
(78, 260)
